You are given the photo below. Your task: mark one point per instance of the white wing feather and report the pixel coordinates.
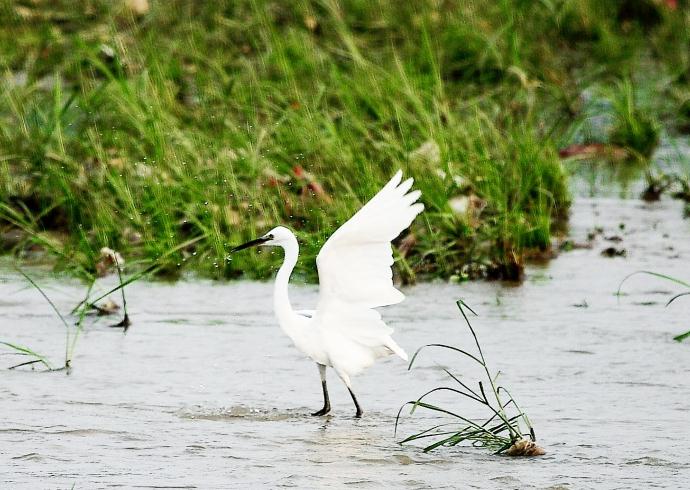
(355, 273)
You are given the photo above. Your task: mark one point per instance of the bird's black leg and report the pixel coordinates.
(326, 402)
(354, 399)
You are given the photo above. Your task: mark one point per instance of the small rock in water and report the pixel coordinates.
(525, 447)
(653, 191)
(614, 252)
(107, 308)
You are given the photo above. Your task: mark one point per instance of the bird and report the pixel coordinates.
(345, 332)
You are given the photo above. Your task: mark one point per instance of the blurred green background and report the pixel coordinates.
(172, 130)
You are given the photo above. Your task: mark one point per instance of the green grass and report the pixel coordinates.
(34, 357)
(72, 333)
(173, 135)
(506, 429)
(74, 322)
(633, 129)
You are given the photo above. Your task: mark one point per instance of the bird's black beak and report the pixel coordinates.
(253, 243)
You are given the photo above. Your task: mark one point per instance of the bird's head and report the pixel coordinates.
(278, 236)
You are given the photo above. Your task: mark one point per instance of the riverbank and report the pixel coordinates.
(172, 131)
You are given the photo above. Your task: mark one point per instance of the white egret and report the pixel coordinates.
(354, 266)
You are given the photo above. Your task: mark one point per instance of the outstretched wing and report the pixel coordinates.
(355, 262)
(355, 266)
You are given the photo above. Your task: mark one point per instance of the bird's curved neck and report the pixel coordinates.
(281, 301)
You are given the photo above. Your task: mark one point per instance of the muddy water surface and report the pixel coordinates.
(206, 392)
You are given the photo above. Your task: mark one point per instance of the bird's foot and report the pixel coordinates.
(359, 414)
(323, 411)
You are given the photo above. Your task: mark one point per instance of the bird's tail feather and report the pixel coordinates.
(397, 350)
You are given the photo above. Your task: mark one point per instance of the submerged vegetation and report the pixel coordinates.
(74, 322)
(506, 429)
(72, 333)
(173, 130)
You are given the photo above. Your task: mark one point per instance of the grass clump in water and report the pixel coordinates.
(74, 323)
(633, 129)
(506, 430)
(72, 333)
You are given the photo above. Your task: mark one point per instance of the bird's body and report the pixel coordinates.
(345, 332)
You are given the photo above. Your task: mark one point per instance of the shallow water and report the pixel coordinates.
(206, 392)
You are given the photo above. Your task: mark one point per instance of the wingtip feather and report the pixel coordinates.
(405, 186)
(390, 185)
(396, 179)
(412, 196)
